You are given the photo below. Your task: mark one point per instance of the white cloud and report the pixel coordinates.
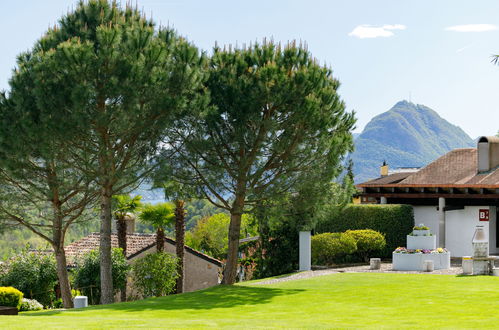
(472, 28)
(369, 31)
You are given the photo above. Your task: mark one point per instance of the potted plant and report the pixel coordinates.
(420, 230)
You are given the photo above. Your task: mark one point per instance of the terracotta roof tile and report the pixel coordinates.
(136, 243)
(457, 167)
(389, 179)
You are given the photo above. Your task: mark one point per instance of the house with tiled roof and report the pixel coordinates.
(200, 270)
(452, 195)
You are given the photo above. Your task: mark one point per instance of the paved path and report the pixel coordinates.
(385, 268)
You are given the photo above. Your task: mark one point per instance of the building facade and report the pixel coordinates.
(452, 195)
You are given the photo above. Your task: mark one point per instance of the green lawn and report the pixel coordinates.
(341, 300)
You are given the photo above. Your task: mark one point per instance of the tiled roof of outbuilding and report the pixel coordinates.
(136, 244)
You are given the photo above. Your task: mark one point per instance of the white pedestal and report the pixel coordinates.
(305, 261)
(421, 242)
(80, 301)
(415, 262)
(467, 265)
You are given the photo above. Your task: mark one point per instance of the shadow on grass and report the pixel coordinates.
(222, 296)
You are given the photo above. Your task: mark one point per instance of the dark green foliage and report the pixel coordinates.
(10, 297)
(281, 219)
(393, 221)
(279, 252)
(275, 116)
(327, 248)
(108, 83)
(87, 274)
(33, 273)
(368, 242)
(155, 274)
(408, 135)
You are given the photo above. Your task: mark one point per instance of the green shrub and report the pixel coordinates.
(210, 234)
(368, 242)
(87, 274)
(393, 221)
(327, 248)
(33, 273)
(30, 305)
(10, 297)
(155, 274)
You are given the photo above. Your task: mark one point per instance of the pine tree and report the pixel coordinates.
(111, 83)
(275, 114)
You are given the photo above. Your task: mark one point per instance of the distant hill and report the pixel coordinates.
(408, 135)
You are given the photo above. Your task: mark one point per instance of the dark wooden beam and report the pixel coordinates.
(432, 195)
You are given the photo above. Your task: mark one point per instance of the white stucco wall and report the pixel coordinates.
(427, 215)
(459, 227)
(492, 230)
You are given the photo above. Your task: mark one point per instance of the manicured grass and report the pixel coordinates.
(340, 300)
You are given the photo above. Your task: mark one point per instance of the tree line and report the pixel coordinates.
(105, 99)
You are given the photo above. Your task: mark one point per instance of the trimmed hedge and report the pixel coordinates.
(10, 297)
(393, 220)
(328, 247)
(369, 242)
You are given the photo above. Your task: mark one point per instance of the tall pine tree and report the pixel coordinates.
(111, 83)
(275, 114)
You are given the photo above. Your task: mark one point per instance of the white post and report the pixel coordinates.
(441, 222)
(305, 251)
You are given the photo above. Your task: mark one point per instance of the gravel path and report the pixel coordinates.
(385, 268)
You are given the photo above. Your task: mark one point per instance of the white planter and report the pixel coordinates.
(421, 232)
(415, 261)
(421, 242)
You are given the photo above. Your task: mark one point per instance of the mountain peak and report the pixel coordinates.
(408, 135)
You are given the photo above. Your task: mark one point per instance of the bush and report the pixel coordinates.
(155, 274)
(327, 248)
(30, 305)
(394, 221)
(87, 274)
(210, 234)
(10, 297)
(33, 273)
(368, 241)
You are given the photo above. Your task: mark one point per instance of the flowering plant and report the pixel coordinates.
(422, 251)
(421, 226)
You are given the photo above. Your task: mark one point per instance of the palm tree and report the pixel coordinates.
(124, 206)
(160, 216)
(180, 241)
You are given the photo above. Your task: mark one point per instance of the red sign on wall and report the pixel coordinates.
(483, 215)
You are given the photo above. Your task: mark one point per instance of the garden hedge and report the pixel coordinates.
(393, 220)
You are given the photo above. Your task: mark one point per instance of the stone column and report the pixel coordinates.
(441, 222)
(305, 251)
(383, 200)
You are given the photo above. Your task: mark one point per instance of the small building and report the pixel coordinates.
(452, 195)
(200, 270)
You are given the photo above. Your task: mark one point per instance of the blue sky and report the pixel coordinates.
(435, 52)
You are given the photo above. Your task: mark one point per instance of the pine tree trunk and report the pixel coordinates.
(106, 274)
(232, 257)
(62, 275)
(121, 229)
(160, 239)
(58, 234)
(180, 242)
